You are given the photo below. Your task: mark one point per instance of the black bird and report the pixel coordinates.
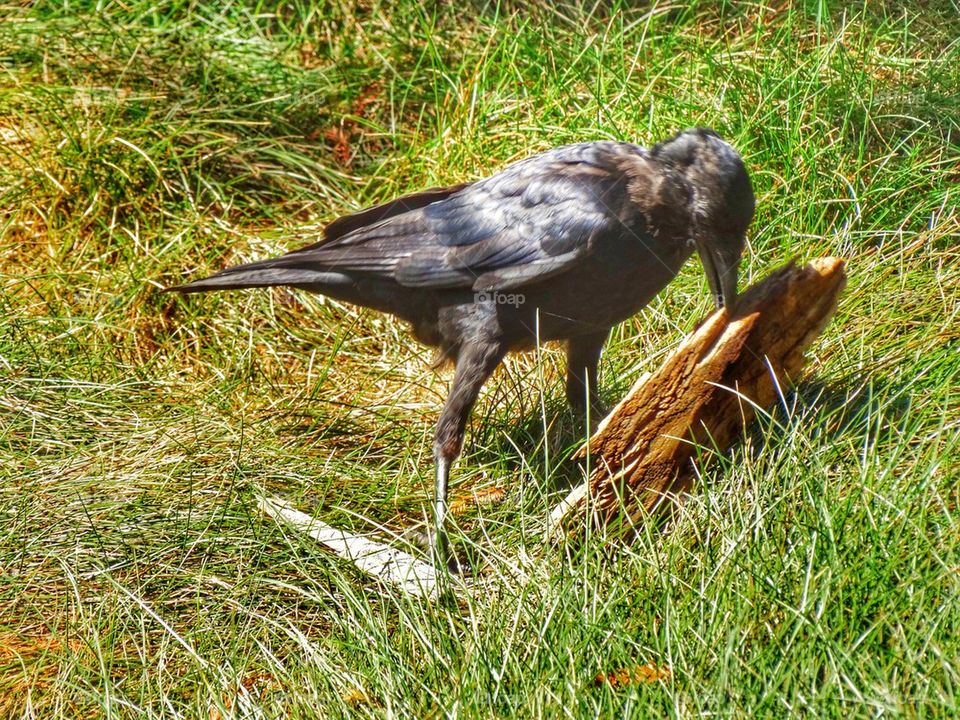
(560, 246)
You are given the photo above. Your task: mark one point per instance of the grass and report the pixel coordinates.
(815, 572)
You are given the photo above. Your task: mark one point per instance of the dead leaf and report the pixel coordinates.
(348, 133)
(339, 138)
(484, 496)
(260, 684)
(636, 675)
(367, 96)
(355, 696)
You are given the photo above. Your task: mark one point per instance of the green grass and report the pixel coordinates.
(816, 570)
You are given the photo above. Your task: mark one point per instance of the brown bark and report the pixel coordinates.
(705, 393)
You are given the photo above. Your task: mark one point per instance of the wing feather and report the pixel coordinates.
(537, 218)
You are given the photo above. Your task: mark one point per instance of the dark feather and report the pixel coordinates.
(347, 224)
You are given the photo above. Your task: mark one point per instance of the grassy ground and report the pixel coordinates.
(816, 571)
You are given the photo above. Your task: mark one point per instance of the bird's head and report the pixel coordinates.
(722, 203)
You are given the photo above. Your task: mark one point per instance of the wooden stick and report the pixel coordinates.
(386, 563)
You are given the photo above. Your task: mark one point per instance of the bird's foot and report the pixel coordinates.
(588, 422)
(438, 550)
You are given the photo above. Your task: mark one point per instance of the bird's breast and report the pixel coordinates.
(608, 287)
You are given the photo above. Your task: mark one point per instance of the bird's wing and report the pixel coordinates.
(537, 218)
(534, 220)
(347, 224)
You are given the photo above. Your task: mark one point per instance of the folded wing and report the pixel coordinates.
(537, 218)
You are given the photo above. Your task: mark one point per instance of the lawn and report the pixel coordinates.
(815, 569)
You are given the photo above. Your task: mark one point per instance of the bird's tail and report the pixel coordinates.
(265, 273)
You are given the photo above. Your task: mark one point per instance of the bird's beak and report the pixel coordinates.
(721, 275)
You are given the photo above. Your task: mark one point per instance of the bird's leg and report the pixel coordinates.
(475, 363)
(439, 546)
(583, 355)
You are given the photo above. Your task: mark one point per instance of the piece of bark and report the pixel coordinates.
(703, 395)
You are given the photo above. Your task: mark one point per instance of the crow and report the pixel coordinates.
(560, 246)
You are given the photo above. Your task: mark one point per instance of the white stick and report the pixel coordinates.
(563, 509)
(386, 563)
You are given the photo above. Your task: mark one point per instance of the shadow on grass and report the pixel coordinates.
(859, 408)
